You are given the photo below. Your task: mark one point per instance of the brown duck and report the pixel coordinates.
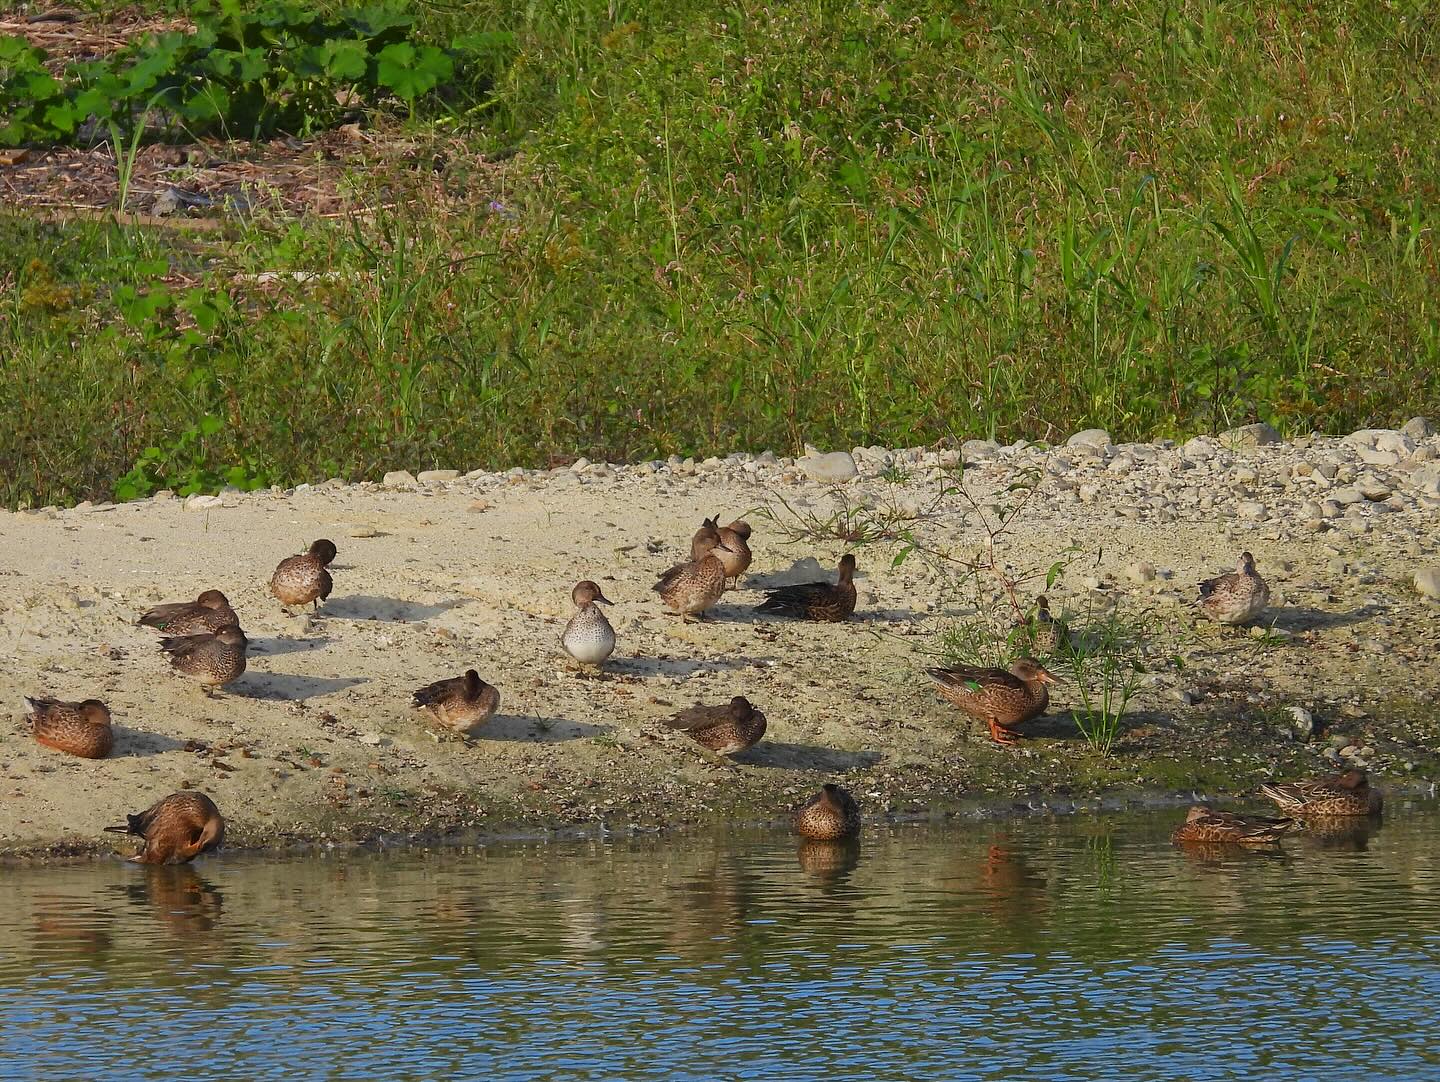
(213, 658)
(304, 579)
(209, 612)
(828, 815)
(1002, 699)
(691, 588)
(81, 728)
(735, 554)
(1205, 826)
(724, 730)
(1341, 796)
(463, 703)
(176, 829)
(825, 601)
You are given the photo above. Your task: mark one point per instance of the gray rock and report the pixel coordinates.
(975, 450)
(1140, 572)
(427, 476)
(1418, 428)
(1346, 496)
(1253, 510)
(831, 469)
(1198, 449)
(1256, 435)
(1427, 582)
(1366, 437)
(1097, 438)
(398, 479)
(1304, 722)
(1398, 444)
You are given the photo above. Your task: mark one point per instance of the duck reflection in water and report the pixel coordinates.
(179, 897)
(1346, 833)
(829, 863)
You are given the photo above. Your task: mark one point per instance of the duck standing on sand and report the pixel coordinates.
(176, 829)
(829, 815)
(1346, 795)
(305, 579)
(1237, 598)
(209, 612)
(735, 554)
(1000, 698)
(828, 602)
(691, 588)
(725, 730)
(588, 637)
(462, 703)
(1205, 826)
(215, 658)
(81, 729)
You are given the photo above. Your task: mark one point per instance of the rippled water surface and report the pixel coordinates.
(1084, 949)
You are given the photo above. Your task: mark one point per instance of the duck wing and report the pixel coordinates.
(178, 646)
(663, 583)
(440, 691)
(975, 678)
(796, 598)
(698, 717)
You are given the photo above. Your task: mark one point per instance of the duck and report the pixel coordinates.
(304, 579)
(725, 730)
(1236, 598)
(823, 601)
(209, 612)
(1343, 795)
(462, 703)
(588, 637)
(1048, 635)
(1205, 826)
(176, 829)
(81, 729)
(829, 815)
(735, 553)
(215, 658)
(691, 588)
(1001, 698)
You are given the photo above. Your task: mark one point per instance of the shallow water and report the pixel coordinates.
(1080, 949)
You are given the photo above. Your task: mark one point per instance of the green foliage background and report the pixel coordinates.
(746, 226)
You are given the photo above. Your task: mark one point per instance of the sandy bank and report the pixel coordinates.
(317, 740)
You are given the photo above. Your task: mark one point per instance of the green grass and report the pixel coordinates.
(751, 226)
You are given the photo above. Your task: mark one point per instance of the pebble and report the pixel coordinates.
(1427, 582)
(830, 469)
(1096, 438)
(1304, 721)
(1257, 435)
(1140, 572)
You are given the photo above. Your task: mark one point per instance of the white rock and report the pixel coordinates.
(198, 502)
(830, 469)
(1097, 438)
(1199, 448)
(1427, 582)
(1346, 496)
(1253, 510)
(1366, 437)
(974, 450)
(427, 476)
(1377, 457)
(398, 478)
(1140, 572)
(1397, 443)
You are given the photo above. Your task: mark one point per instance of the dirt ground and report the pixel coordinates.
(317, 741)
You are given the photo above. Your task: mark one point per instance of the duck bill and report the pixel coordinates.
(603, 599)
